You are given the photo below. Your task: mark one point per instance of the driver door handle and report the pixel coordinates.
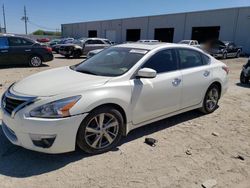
(206, 73)
(176, 82)
(4, 51)
(28, 50)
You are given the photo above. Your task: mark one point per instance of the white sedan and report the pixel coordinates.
(93, 104)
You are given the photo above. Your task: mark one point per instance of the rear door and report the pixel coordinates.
(4, 51)
(20, 50)
(196, 74)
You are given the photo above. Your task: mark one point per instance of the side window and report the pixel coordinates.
(206, 59)
(163, 61)
(89, 42)
(3, 43)
(97, 42)
(189, 58)
(15, 41)
(26, 42)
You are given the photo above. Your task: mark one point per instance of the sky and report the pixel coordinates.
(50, 14)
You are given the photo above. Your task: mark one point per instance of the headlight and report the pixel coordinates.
(56, 109)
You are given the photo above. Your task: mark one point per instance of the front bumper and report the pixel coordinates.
(26, 132)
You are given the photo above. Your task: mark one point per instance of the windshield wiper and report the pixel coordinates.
(86, 72)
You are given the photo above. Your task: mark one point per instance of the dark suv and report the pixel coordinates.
(224, 49)
(19, 50)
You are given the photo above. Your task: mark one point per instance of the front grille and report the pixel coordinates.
(11, 104)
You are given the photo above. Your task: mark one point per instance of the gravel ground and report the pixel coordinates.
(191, 149)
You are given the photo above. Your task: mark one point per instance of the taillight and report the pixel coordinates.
(226, 69)
(48, 49)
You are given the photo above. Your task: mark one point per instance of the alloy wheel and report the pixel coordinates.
(35, 61)
(212, 99)
(101, 131)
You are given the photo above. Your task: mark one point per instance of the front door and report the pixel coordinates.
(20, 50)
(152, 98)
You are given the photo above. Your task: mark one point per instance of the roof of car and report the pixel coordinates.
(151, 46)
(95, 39)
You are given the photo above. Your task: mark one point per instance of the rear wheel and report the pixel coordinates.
(243, 79)
(100, 131)
(77, 54)
(35, 61)
(211, 99)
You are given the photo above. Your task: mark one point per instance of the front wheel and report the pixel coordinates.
(211, 99)
(224, 56)
(243, 79)
(238, 54)
(35, 61)
(100, 131)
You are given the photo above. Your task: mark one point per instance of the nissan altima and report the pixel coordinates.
(94, 104)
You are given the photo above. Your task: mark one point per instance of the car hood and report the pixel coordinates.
(57, 81)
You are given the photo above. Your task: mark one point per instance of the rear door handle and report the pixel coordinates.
(28, 50)
(4, 51)
(206, 73)
(176, 82)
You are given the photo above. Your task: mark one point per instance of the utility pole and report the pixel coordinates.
(25, 19)
(4, 20)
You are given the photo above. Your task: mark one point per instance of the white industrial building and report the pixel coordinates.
(232, 24)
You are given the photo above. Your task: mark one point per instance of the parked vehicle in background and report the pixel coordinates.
(189, 42)
(223, 49)
(93, 52)
(54, 42)
(43, 40)
(19, 50)
(245, 73)
(83, 47)
(147, 41)
(93, 104)
(56, 47)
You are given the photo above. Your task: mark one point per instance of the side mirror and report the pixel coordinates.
(146, 73)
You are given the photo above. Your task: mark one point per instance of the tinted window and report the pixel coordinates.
(3, 43)
(163, 61)
(206, 59)
(189, 58)
(98, 42)
(27, 42)
(19, 42)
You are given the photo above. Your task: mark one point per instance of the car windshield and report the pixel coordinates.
(113, 61)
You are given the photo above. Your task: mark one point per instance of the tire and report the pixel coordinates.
(211, 99)
(67, 56)
(35, 61)
(93, 139)
(243, 79)
(224, 56)
(77, 54)
(238, 54)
